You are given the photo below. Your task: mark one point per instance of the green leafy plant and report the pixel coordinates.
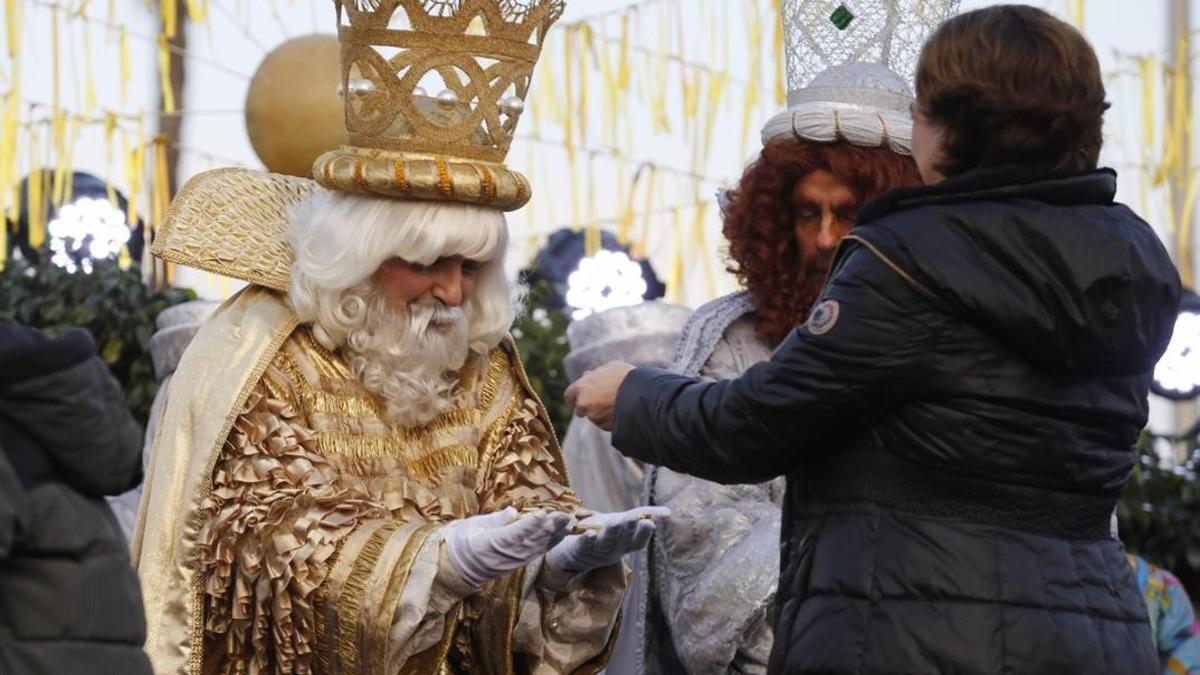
(1159, 513)
(541, 336)
(112, 303)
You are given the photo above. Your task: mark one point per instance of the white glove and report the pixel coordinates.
(486, 547)
(617, 534)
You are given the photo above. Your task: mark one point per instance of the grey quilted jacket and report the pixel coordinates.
(69, 600)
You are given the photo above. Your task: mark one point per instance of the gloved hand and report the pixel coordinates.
(489, 546)
(615, 535)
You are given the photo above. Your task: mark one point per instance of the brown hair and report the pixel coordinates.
(759, 224)
(1012, 84)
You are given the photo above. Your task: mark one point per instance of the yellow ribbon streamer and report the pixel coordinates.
(8, 153)
(692, 95)
(159, 190)
(161, 196)
(1184, 249)
(675, 280)
(170, 17)
(612, 88)
(716, 93)
(1148, 69)
(545, 102)
(573, 176)
(624, 83)
(623, 60)
(1174, 139)
(658, 100)
(581, 107)
(1185, 229)
(568, 86)
(59, 145)
(69, 165)
(164, 74)
(35, 203)
(125, 63)
(591, 199)
(755, 76)
(197, 11)
(89, 77)
(591, 240)
(61, 192)
(625, 226)
(12, 17)
(135, 160)
(110, 127)
(701, 247)
(639, 251)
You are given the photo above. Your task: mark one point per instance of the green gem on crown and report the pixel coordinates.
(841, 17)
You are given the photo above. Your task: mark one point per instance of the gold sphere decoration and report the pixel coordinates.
(293, 111)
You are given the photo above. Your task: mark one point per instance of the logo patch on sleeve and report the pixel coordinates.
(824, 317)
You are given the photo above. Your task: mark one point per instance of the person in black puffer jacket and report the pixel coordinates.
(69, 599)
(957, 417)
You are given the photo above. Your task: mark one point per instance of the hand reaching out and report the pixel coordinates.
(594, 395)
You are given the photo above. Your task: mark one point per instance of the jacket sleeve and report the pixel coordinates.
(862, 354)
(64, 396)
(12, 508)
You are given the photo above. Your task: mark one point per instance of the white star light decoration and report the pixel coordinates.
(603, 281)
(1178, 371)
(86, 230)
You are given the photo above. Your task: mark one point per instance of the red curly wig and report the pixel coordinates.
(763, 252)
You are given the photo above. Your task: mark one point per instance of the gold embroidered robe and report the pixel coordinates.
(314, 544)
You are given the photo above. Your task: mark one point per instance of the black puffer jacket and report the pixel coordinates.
(69, 600)
(955, 421)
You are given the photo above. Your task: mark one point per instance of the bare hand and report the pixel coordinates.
(594, 395)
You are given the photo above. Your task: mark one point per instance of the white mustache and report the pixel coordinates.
(427, 314)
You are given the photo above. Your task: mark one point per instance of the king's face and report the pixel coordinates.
(450, 280)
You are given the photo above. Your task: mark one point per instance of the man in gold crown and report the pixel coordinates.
(353, 474)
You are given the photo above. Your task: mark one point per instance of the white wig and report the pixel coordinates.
(340, 239)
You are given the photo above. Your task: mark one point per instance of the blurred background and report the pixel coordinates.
(640, 110)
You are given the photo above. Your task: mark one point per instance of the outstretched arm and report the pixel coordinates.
(861, 354)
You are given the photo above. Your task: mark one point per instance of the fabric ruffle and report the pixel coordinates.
(523, 473)
(450, 497)
(275, 517)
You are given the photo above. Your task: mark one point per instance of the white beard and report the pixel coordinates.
(409, 359)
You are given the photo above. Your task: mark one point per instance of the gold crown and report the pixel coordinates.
(405, 143)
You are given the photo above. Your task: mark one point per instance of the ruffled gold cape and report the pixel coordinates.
(218, 371)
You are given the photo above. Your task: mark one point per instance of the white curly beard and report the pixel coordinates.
(409, 359)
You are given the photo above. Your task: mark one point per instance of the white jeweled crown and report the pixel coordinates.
(850, 64)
